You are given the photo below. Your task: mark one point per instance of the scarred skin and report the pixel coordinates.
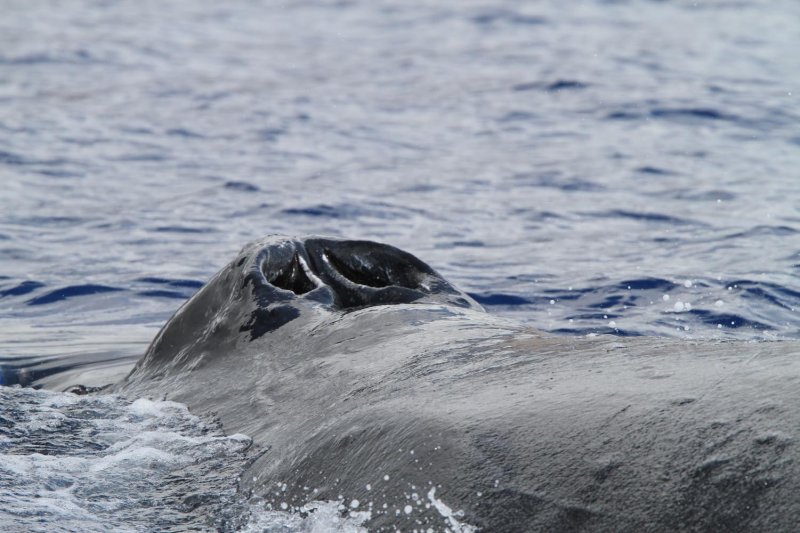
(366, 376)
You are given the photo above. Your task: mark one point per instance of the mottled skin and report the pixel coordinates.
(341, 358)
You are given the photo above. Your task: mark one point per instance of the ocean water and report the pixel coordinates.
(102, 463)
(622, 167)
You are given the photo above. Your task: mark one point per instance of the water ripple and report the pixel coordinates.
(500, 299)
(554, 86)
(22, 288)
(658, 218)
(71, 291)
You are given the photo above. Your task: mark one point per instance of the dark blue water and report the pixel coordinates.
(625, 167)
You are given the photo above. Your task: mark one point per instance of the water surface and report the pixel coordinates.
(624, 167)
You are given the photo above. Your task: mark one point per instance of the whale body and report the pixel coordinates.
(366, 377)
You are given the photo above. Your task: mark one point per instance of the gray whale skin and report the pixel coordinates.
(364, 375)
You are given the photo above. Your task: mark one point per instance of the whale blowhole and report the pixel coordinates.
(360, 272)
(292, 277)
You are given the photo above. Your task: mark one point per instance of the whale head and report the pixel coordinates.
(278, 280)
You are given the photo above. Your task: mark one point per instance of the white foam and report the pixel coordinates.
(447, 513)
(315, 517)
(101, 463)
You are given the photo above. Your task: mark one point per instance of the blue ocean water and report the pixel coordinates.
(624, 167)
(627, 167)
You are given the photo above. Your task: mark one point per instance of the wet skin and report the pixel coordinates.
(354, 364)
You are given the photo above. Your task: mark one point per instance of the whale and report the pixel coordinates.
(365, 377)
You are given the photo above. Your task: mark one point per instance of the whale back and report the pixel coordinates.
(364, 376)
